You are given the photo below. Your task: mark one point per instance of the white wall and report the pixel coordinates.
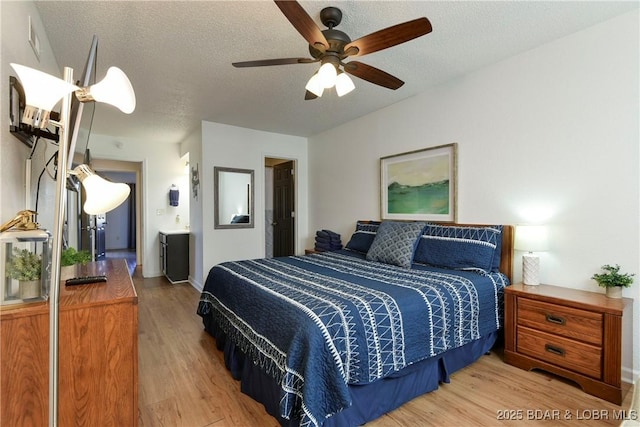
(14, 28)
(231, 146)
(193, 146)
(554, 129)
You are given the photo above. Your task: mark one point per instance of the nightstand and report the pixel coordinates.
(571, 333)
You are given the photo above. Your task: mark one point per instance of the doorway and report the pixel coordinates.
(123, 225)
(279, 207)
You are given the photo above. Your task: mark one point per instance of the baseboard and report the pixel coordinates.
(197, 285)
(150, 274)
(634, 411)
(630, 376)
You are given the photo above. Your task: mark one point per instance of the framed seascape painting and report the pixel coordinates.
(420, 185)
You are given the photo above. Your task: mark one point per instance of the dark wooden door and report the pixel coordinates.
(283, 209)
(87, 233)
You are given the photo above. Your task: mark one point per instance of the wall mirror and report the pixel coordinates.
(233, 197)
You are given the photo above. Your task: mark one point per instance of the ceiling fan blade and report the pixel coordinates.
(302, 22)
(267, 62)
(391, 36)
(309, 95)
(373, 75)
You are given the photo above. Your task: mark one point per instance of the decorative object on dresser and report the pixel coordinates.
(419, 185)
(613, 281)
(25, 264)
(571, 333)
(530, 239)
(71, 256)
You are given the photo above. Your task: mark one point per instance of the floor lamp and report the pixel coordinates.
(42, 92)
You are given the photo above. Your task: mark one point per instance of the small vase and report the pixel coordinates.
(29, 289)
(614, 292)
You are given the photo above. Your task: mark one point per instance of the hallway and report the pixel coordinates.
(128, 254)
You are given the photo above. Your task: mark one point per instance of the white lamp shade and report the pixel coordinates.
(315, 86)
(327, 74)
(115, 89)
(42, 90)
(344, 84)
(102, 195)
(531, 238)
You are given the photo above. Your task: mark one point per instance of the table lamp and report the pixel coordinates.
(530, 239)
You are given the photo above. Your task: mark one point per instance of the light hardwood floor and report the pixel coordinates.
(183, 381)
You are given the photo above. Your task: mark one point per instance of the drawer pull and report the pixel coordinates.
(554, 350)
(555, 319)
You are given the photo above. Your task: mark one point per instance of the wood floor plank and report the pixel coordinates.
(183, 381)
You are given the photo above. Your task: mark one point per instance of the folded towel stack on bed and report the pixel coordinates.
(327, 240)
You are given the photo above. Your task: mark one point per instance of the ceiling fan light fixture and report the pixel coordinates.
(315, 86)
(327, 75)
(344, 84)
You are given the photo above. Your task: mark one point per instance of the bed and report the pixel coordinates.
(340, 338)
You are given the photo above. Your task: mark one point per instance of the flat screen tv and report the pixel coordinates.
(80, 118)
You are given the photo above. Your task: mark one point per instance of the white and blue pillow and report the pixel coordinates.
(362, 238)
(395, 243)
(460, 247)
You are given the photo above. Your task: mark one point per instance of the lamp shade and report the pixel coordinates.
(531, 238)
(327, 75)
(114, 89)
(344, 84)
(42, 92)
(102, 195)
(315, 86)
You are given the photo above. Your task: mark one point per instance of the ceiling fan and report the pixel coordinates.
(331, 47)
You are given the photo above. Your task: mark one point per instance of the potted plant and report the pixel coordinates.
(25, 267)
(70, 256)
(612, 280)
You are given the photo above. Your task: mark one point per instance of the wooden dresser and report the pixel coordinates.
(572, 333)
(98, 353)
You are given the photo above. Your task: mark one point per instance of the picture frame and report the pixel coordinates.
(420, 185)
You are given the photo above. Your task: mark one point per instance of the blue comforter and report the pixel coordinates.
(320, 322)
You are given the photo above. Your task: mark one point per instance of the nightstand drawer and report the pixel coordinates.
(579, 357)
(569, 322)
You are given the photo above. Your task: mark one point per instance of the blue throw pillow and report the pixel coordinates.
(460, 247)
(363, 236)
(395, 243)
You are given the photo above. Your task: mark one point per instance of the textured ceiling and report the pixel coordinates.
(178, 56)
